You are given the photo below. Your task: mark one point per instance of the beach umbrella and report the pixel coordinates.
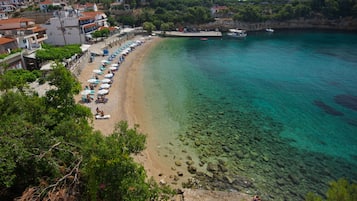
(92, 80)
(103, 92)
(97, 71)
(85, 92)
(105, 61)
(105, 86)
(115, 65)
(106, 80)
(109, 75)
(113, 68)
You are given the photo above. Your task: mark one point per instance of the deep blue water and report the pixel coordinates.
(279, 109)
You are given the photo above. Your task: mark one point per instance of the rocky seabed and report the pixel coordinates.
(241, 151)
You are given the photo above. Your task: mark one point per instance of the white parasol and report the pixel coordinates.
(105, 61)
(85, 92)
(115, 65)
(113, 68)
(105, 86)
(106, 80)
(97, 71)
(109, 75)
(103, 92)
(92, 80)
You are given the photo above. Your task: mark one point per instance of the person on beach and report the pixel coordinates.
(89, 98)
(256, 198)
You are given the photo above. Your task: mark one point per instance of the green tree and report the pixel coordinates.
(164, 27)
(331, 8)
(17, 79)
(107, 165)
(57, 53)
(340, 190)
(61, 96)
(149, 27)
(49, 150)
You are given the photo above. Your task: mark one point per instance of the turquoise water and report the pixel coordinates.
(277, 111)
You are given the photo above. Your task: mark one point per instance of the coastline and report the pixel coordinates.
(127, 102)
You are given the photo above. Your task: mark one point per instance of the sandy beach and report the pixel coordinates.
(127, 102)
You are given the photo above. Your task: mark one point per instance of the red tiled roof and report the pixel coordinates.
(6, 40)
(92, 13)
(38, 29)
(16, 20)
(87, 4)
(86, 18)
(89, 25)
(47, 2)
(110, 28)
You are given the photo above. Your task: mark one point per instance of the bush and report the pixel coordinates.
(341, 190)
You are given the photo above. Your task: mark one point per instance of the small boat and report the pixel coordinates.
(238, 33)
(204, 39)
(270, 30)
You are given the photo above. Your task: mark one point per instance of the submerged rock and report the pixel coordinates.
(212, 167)
(178, 163)
(327, 109)
(347, 101)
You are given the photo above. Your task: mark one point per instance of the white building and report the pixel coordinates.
(73, 27)
(3, 15)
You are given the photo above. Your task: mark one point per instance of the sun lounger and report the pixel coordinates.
(107, 116)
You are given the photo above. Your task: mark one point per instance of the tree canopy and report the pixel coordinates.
(57, 53)
(195, 12)
(48, 148)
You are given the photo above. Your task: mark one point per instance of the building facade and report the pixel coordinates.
(28, 37)
(73, 26)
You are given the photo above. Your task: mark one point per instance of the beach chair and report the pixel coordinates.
(107, 116)
(84, 99)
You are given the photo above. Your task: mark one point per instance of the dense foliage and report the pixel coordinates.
(49, 151)
(340, 190)
(101, 33)
(4, 55)
(17, 79)
(49, 52)
(171, 11)
(193, 12)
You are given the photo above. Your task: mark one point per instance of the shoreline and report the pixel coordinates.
(127, 102)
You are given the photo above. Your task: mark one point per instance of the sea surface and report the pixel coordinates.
(272, 114)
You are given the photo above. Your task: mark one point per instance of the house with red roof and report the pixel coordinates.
(7, 44)
(218, 10)
(74, 27)
(44, 5)
(27, 35)
(11, 59)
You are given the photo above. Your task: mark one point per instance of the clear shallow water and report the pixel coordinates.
(265, 107)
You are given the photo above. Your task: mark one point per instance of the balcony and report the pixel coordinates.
(43, 38)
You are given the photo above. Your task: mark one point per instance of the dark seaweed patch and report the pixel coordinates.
(347, 101)
(327, 109)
